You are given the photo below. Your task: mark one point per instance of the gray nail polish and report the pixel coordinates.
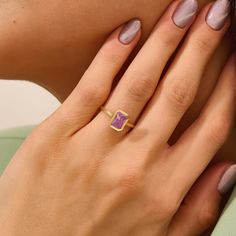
(129, 31)
(185, 13)
(228, 180)
(218, 14)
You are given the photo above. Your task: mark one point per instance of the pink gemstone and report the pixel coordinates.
(119, 121)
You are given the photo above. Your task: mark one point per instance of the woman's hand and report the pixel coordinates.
(75, 175)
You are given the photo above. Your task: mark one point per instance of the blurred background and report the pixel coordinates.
(24, 103)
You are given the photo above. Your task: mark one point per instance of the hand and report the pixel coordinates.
(75, 175)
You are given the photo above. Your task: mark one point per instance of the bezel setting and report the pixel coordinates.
(119, 120)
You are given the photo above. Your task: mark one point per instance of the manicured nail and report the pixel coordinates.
(228, 180)
(185, 13)
(129, 31)
(218, 14)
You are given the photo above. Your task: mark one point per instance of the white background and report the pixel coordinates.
(24, 103)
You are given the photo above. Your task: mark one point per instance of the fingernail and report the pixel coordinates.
(228, 180)
(185, 12)
(218, 14)
(129, 31)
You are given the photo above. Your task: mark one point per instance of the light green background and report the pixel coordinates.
(11, 139)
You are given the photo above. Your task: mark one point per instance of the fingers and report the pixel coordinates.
(95, 86)
(180, 85)
(202, 140)
(200, 208)
(140, 80)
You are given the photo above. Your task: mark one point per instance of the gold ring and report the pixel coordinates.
(119, 119)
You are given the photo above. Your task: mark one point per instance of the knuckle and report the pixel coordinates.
(219, 129)
(204, 44)
(169, 40)
(141, 87)
(129, 184)
(39, 139)
(37, 144)
(112, 53)
(168, 36)
(180, 95)
(207, 218)
(124, 184)
(93, 94)
(162, 209)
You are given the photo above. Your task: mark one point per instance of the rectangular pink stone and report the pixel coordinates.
(119, 121)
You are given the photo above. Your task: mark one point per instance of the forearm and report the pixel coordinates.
(52, 43)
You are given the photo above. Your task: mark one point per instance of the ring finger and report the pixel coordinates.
(140, 80)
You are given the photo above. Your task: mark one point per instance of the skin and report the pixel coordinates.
(56, 42)
(140, 179)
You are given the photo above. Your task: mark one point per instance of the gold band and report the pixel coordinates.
(116, 117)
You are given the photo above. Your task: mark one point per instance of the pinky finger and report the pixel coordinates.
(201, 206)
(205, 137)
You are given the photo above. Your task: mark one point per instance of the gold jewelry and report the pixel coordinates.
(119, 119)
